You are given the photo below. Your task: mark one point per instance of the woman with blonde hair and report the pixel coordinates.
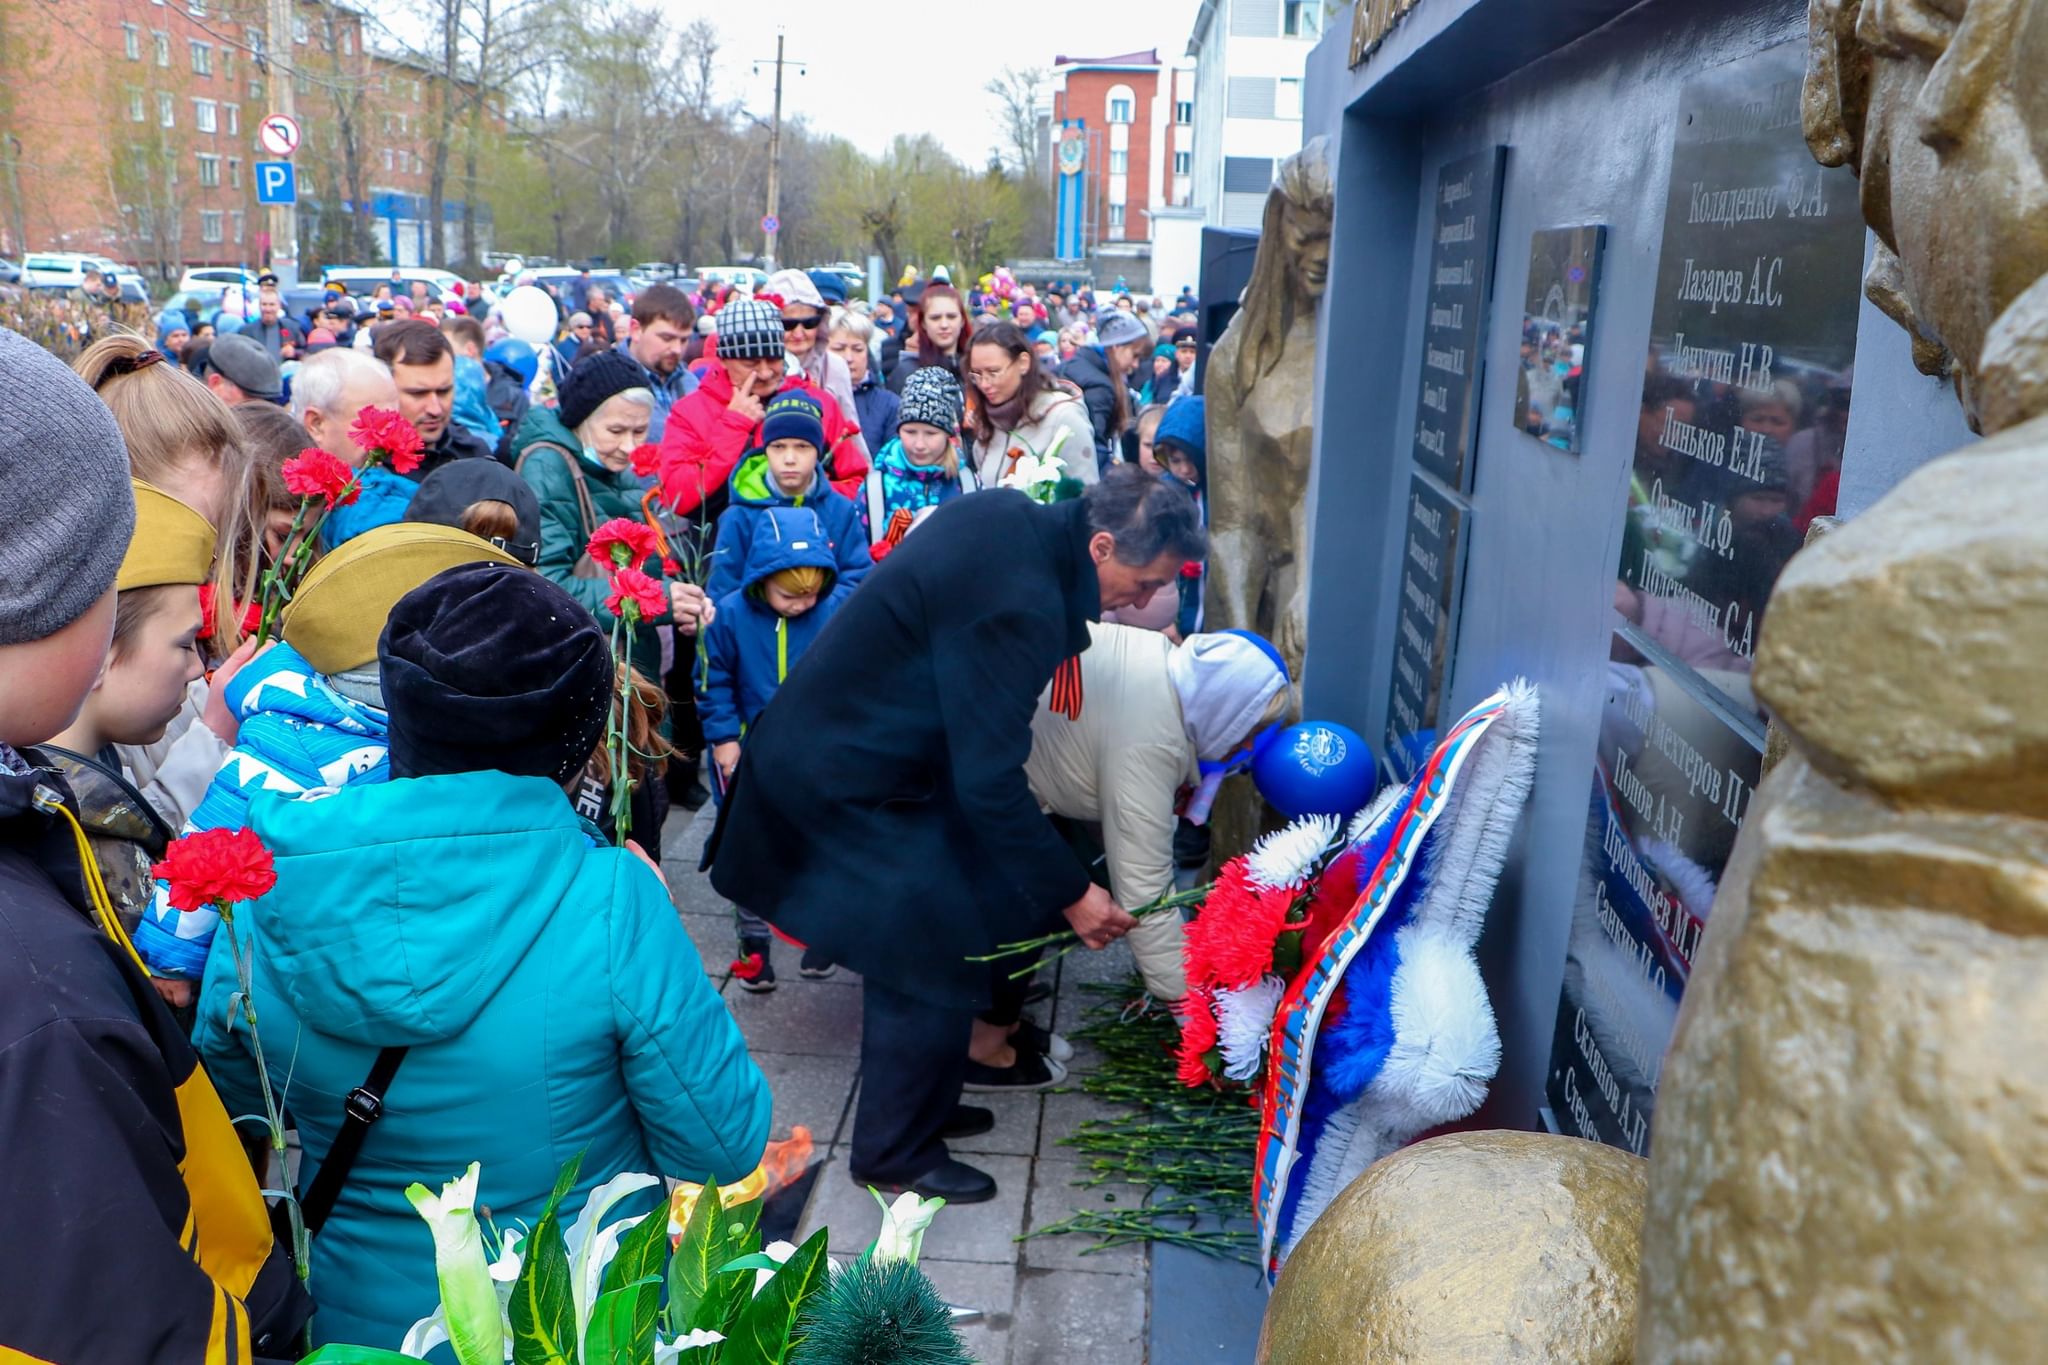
(185, 441)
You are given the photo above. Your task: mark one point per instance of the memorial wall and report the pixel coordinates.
(1597, 358)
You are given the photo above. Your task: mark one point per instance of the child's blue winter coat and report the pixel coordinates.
(894, 482)
(550, 999)
(753, 496)
(296, 733)
(382, 501)
(750, 647)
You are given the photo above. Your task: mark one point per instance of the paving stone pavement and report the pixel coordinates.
(1042, 1300)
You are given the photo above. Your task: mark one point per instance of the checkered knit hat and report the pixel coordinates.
(749, 329)
(932, 396)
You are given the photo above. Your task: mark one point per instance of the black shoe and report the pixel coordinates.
(969, 1120)
(762, 981)
(1042, 1040)
(692, 797)
(1031, 1071)
(956, 1182)
(816, 966)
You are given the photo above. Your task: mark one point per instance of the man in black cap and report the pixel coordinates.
(238, 368)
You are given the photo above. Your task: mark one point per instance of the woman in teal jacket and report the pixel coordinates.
(549, 999)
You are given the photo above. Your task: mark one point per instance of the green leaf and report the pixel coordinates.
(762, 1334)
(739, 1235)
(760, 1260)
(337, 1353)
(611, 1339)
(638, 1266)
(543, 1307)
(689, 1270)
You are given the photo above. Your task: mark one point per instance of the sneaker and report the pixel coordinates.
(1040, 1039)
(758, 979)
(816, 966)
(1031, 1071)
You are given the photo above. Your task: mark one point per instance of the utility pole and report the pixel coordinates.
(771, 225)
(283, 99)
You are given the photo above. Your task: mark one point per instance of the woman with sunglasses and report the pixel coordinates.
(804, 352)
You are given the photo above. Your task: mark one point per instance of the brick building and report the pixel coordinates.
(1133, 115)
(128, 128)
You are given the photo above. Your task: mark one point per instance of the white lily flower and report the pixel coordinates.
(469, 1299)
(591, 1246)
(667, 1352)
(778, 1252)
(1287, 858)
(424, 1336)
(1244, 1023)
(903, 1225)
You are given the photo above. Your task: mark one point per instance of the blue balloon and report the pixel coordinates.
(516, 356)
(1315, 768)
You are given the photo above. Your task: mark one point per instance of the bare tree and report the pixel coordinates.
(1017, 90)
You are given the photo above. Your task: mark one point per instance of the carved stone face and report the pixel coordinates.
(1306, 236)
(1953, 172)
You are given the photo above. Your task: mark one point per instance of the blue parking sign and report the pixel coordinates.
(275, 183)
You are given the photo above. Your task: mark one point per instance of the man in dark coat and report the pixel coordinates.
(910, 841)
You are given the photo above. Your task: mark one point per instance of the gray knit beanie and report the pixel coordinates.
(64, 485)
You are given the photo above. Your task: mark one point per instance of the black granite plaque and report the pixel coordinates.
(1557, 333)
(1746, 389)
(1426, 626)
(1672, 780)
(1454, 314)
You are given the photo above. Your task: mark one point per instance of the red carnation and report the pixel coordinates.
(1230, 943)
(631, 588)
(217, 867)
(386, 436)
(1197, 1038)
(623, 542)
(748, 967)
(646, 460)
(313, 473)
(1191, 569)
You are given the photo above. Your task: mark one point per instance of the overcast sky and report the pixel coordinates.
(876, 68)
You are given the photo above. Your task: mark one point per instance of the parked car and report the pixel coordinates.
(661, 272)
(745, 278)
(563, 277)
(56, 269)
(10, 273)
(211, 279)
(362, 280)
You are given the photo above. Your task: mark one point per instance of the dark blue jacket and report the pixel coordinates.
(750, 647)
(753, 496)
(877, 407)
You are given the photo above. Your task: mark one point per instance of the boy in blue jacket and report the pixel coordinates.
(789, 588)
(785, 472)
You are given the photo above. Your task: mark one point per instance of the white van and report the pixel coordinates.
(47, 268)
(211, 279)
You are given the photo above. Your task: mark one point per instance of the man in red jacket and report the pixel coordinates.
(711, 429)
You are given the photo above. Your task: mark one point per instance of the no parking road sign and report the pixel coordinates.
(771, 223)
(275, 183)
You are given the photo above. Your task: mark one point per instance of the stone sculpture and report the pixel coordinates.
(1261, 417)
(1467, 1249)
(1854, 1114)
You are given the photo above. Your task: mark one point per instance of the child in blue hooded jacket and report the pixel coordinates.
(789, 590)
(785, 472)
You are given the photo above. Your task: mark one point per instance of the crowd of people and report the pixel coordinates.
(928, 574)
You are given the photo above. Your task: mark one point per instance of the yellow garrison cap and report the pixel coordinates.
(337, 614)
(173, 544)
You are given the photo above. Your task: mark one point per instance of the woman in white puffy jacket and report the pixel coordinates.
(1151, 712)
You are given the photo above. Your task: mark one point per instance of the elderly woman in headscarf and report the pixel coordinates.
(1151, 714)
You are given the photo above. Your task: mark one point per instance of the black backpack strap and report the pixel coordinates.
(363, 1107)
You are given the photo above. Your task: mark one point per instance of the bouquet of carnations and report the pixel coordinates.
(1262, 920)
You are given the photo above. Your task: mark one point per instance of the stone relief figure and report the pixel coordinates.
(1261, 415)
(1854, 1111)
